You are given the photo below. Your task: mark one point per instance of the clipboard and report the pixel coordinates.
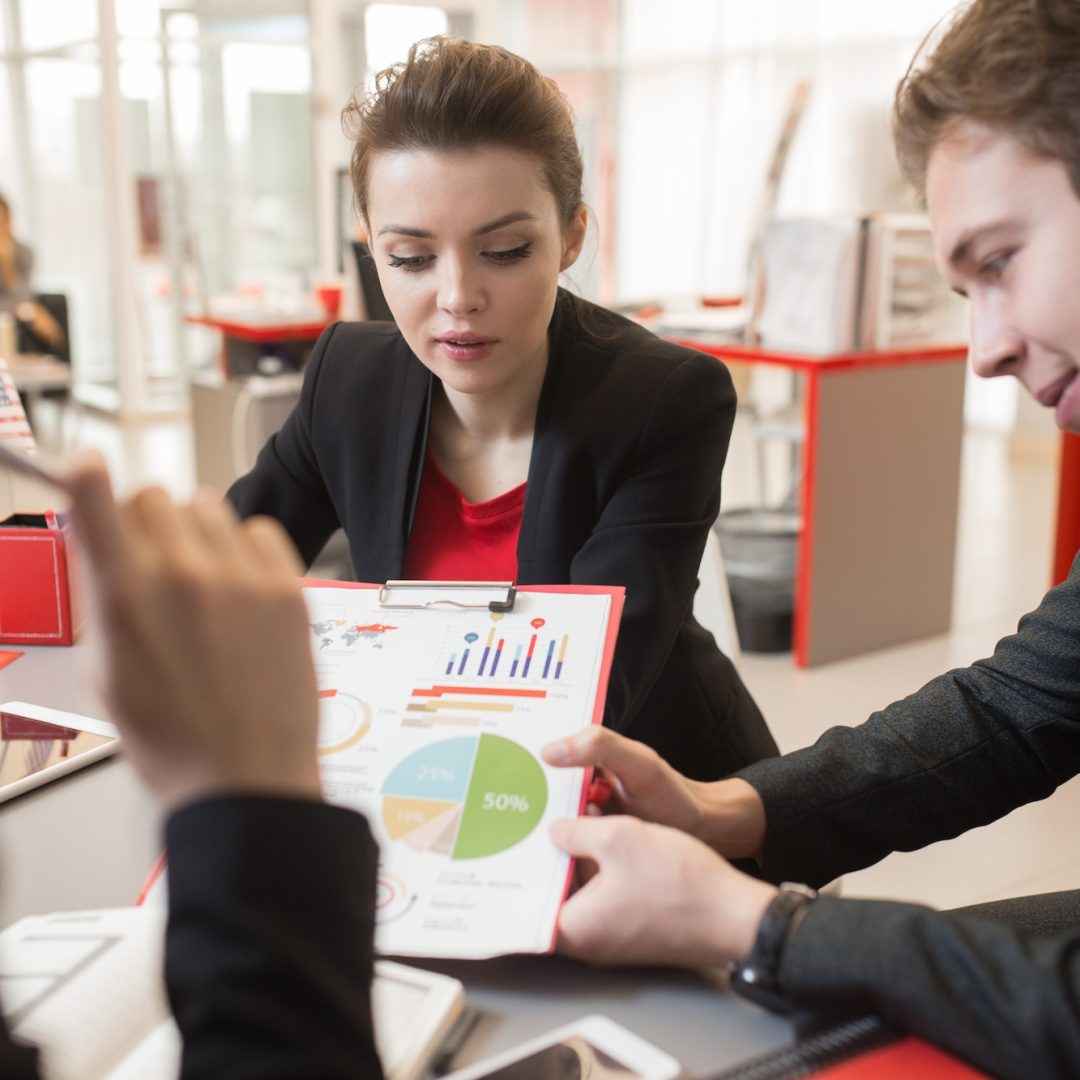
(458, 783)
(496, 596)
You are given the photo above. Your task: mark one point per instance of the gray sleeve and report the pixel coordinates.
(963, 751)
(1006, 1002)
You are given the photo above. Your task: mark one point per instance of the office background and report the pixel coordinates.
(157, 153)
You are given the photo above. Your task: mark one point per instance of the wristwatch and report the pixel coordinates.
(757, 977)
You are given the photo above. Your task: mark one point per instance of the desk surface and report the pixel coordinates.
(270, 328)
(35, 372)
(880, 358)
(88, 840)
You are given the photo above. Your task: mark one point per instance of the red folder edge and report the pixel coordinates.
(901, 1060)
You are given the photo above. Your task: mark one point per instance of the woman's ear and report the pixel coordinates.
(574, 238)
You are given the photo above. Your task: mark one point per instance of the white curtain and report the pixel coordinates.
(704, 87)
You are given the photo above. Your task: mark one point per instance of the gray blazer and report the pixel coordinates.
(963, 751)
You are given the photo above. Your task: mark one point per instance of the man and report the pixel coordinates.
(988, 127)
(268, 958)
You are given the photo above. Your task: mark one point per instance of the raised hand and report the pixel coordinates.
(208, 669)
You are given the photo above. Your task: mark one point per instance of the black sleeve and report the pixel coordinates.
(17, 1061)
(286, 481)
(1006, 1002)
(268, 959)
(961, 752)
(651, 533)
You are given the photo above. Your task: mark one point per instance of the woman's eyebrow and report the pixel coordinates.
(499, 223)
(507, 219)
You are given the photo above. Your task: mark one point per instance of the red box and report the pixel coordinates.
(36, 597)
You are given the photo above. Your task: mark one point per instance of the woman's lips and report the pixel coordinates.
(466, 347)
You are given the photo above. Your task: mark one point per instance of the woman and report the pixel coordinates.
(503, 429)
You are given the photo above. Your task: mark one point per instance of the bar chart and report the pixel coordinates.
(516, 654)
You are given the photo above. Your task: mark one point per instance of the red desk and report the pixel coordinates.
(243, 342)
(1067, 533)
(879, 496)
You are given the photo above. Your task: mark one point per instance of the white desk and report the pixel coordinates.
(34, 373)
(87, 840)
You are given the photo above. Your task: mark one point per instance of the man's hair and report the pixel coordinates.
(1012, 65)
(456, 95)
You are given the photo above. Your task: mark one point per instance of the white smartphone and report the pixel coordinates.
(593, 1047)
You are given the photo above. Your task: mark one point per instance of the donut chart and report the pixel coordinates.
(344, 719)
(464, 798)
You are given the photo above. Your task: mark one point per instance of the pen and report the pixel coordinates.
(21, 463)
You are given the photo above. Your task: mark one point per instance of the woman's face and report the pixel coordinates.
(469, 248)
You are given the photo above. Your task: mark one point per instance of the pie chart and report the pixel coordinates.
(464, 798)
(344, 719)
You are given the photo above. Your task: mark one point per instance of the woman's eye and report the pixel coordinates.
(410, 262)
(510, 255)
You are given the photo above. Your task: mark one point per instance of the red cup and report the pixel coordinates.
(329, 297)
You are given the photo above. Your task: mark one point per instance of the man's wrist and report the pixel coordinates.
(757, 975)
(733, 819)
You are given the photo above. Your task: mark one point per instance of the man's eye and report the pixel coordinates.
(995, 267)
(410, 262)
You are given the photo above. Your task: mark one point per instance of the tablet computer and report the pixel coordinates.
(38, 744)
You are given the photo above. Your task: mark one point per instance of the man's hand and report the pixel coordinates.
(658, 896)
(727, 814)
(208, 669)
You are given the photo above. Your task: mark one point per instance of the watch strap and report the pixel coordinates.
(758, 976)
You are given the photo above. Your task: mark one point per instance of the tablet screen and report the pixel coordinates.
(32, 752)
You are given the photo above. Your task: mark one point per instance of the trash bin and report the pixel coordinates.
(759, 557)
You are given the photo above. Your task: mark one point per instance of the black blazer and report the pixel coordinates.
(624, 483)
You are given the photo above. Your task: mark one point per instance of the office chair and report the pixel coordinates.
(28, 342)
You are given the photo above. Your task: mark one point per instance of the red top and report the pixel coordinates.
(456, 540)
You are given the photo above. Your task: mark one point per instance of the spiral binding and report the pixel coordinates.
(808, 1055)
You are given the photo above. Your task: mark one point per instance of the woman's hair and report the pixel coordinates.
(1013, 65)
(453, 95)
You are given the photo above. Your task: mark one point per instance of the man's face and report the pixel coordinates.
(1007, 232)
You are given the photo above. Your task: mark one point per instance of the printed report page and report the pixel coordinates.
(430, 724)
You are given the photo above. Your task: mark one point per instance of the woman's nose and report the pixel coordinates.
(460, 291)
